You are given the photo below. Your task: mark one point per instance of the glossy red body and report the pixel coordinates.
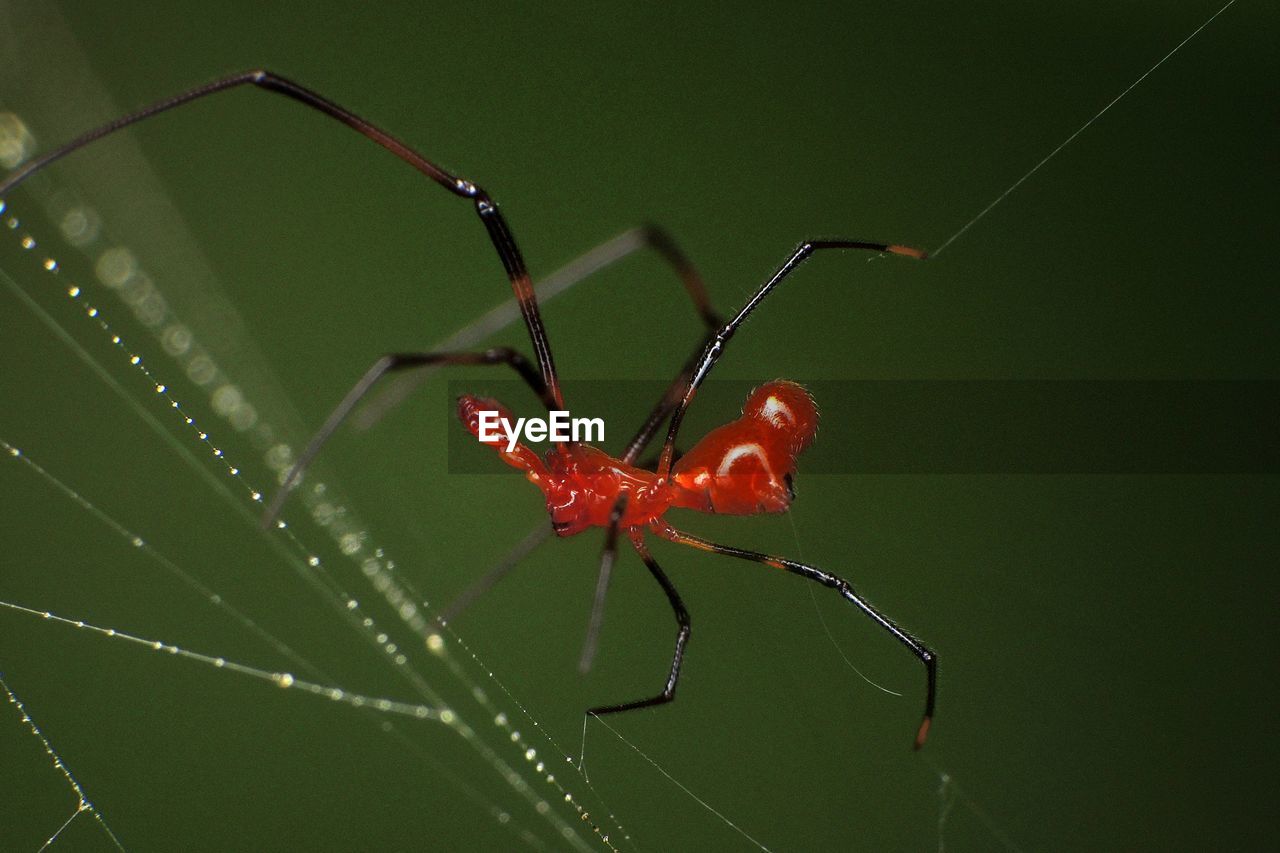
(742, 468)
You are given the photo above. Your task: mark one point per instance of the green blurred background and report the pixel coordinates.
(1104, 640)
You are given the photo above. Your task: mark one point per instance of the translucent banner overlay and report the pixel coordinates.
(953, 426)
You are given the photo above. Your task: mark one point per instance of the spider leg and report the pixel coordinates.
(926, 655)
(592, 261)
(608, 555)
(665, 246)
(485, 582)
(516, 555)
(387, 364)
(499, 232)
(526, 546)
(663, 408)
(716, 343)
(659, 240)
(682, 635)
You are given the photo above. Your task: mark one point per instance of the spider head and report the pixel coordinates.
(490, 422)
(567, 507)
(571, 490)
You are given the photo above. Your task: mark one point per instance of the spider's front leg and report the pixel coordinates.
(390, 363)
(500, 235)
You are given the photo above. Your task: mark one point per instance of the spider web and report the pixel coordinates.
(244, 657)
(405, 610)
(202, 398)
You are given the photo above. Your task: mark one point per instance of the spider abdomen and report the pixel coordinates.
(745, 467)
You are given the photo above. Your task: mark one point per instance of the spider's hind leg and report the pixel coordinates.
(926, 655)
(682, 635)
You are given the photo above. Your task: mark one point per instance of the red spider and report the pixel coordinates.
(742, 468)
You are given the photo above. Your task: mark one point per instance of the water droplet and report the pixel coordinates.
(176, 339)
(16, 142)
(225, 399)
(80, 225)
(201, 370)
(115, 266)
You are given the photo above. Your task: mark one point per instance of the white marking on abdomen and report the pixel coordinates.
(737, 452)
(773, 407)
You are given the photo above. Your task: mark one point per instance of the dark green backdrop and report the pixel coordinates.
(1106, 641)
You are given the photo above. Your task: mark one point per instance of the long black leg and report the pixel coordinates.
(682, 635)
(660, 241)
(716, 345)
(608, 555)
(926, 655)
(485, 582)
(499, 232)
(666, 247)
(611, 251)
(665, 405)
(383, 366)
(513, 558)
